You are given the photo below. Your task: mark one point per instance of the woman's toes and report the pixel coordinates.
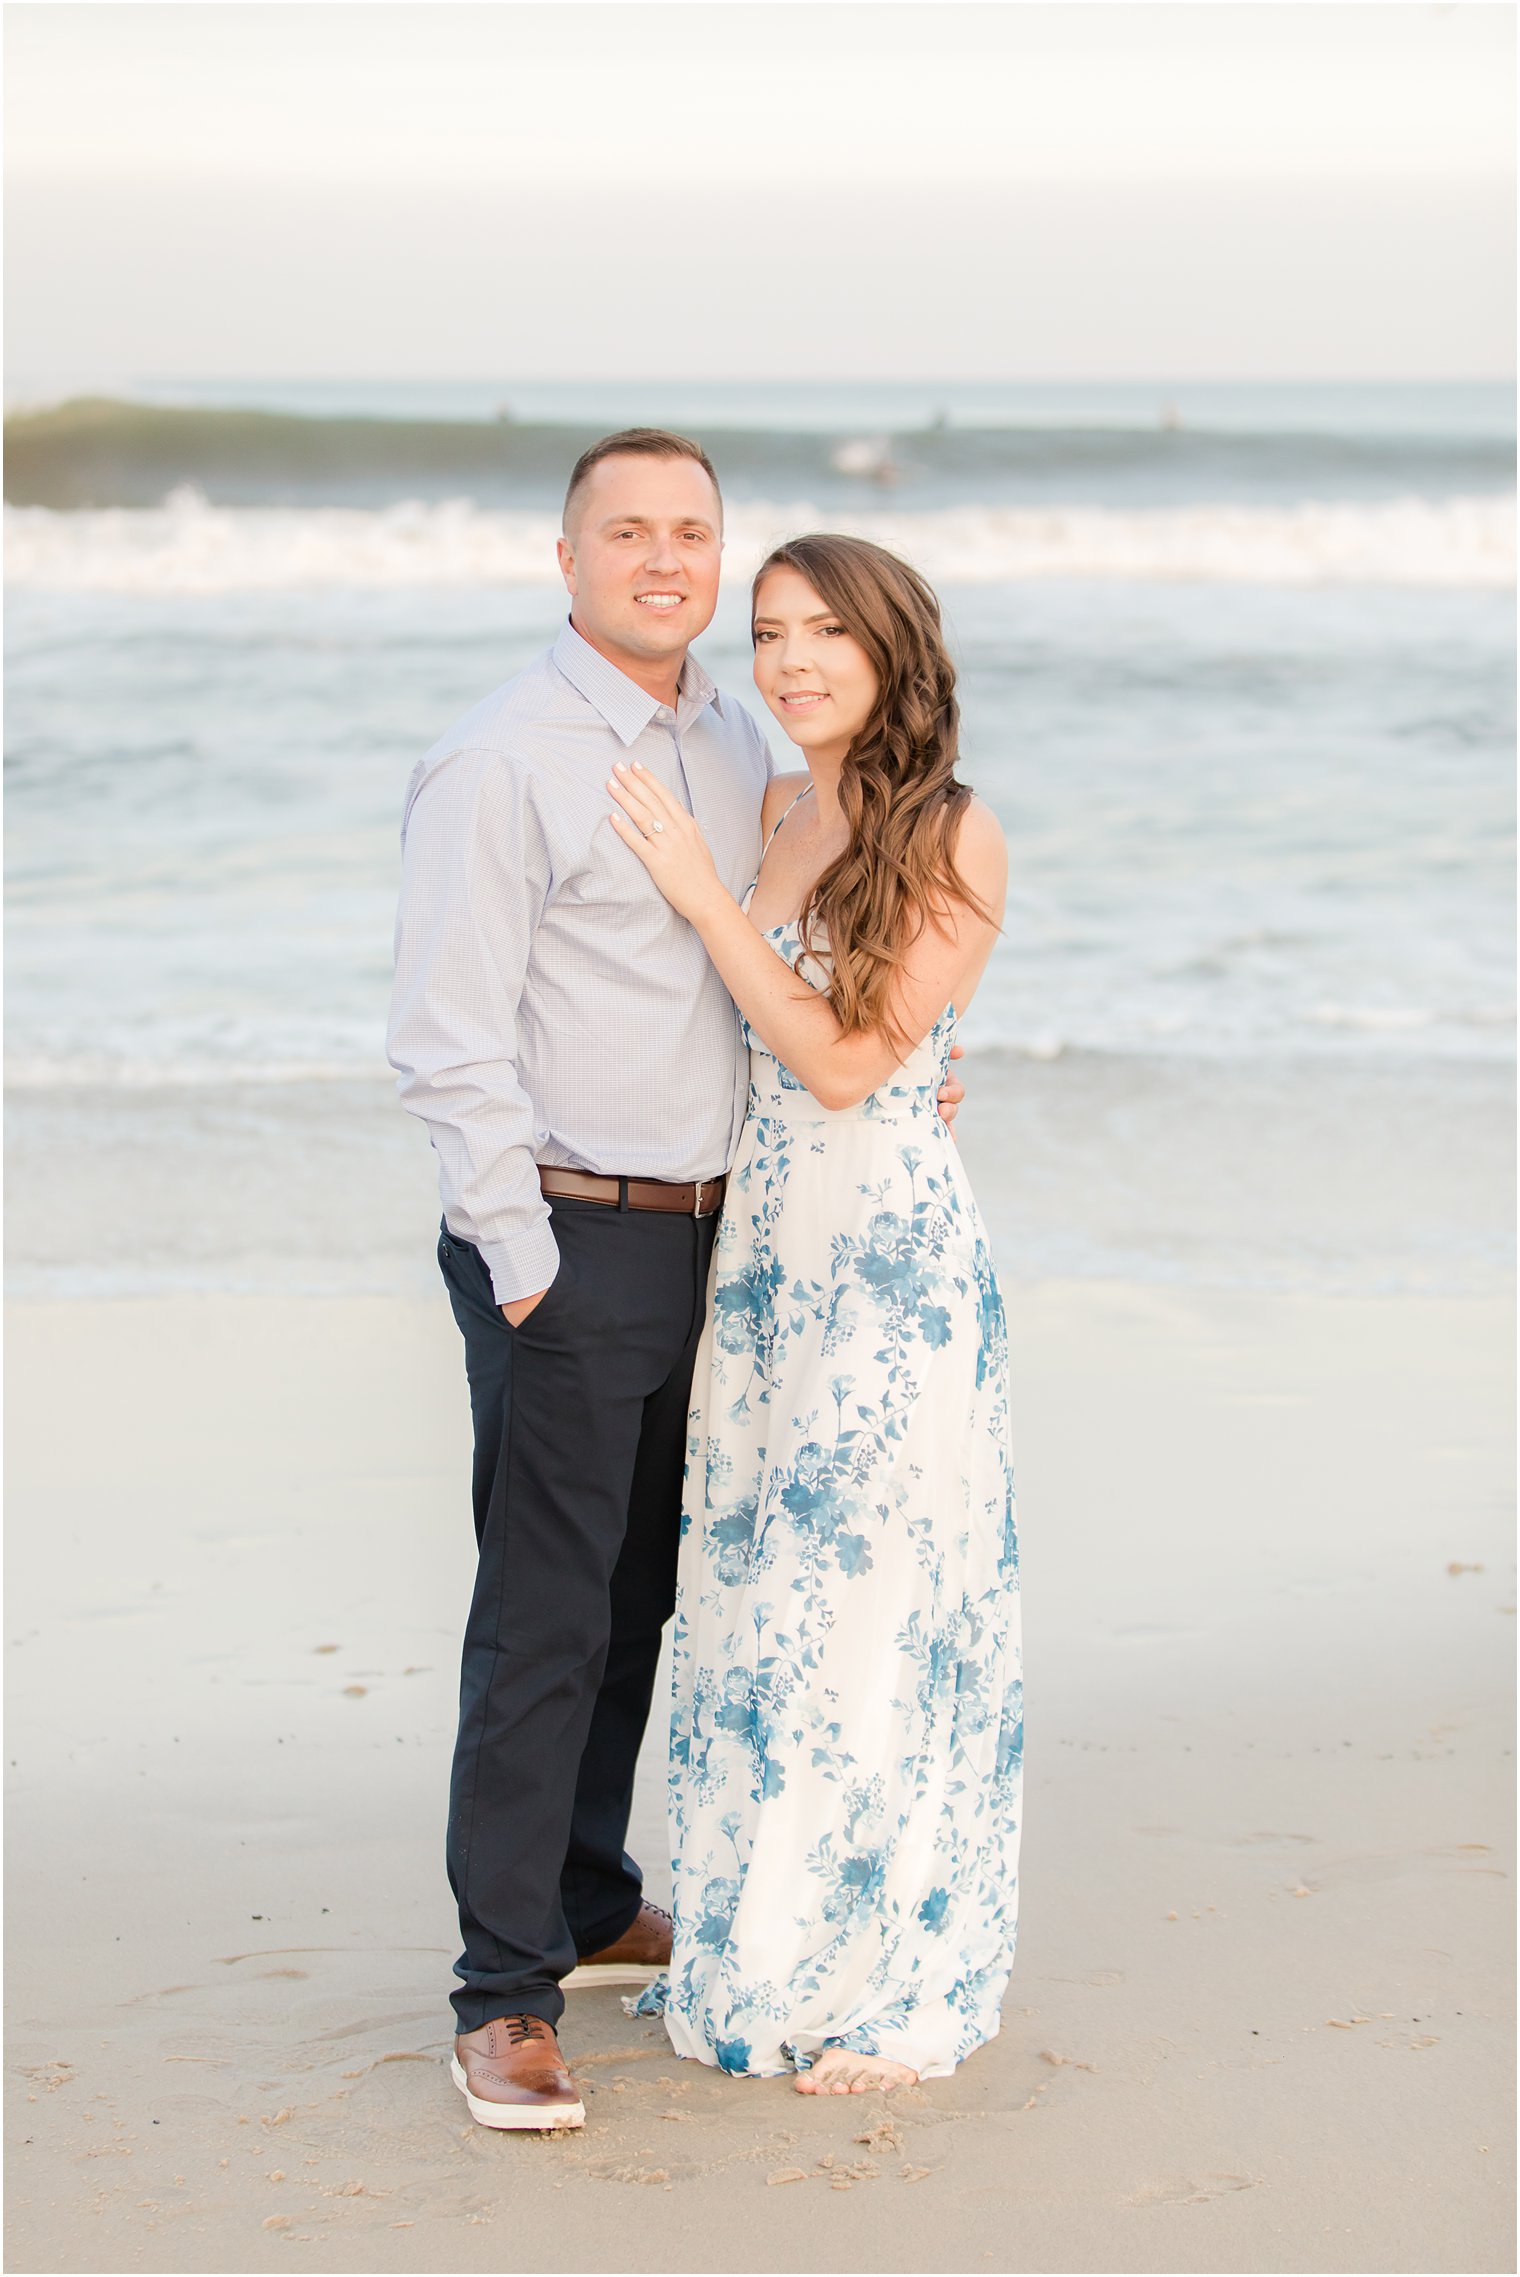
(842, 2071)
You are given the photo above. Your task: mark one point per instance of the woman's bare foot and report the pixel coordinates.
(845, 2071)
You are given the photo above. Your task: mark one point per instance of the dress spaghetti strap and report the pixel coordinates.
(775, 826)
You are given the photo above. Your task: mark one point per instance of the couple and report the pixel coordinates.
(739, 1246)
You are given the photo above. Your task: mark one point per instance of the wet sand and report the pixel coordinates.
(1260, 2016)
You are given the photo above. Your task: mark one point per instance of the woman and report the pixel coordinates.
(847, 1739)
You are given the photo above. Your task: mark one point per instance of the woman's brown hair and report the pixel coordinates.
(897, 789)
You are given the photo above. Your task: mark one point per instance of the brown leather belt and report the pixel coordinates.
(690, 1201)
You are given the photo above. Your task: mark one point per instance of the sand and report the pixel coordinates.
(1260, 2016)
(1349, 1177)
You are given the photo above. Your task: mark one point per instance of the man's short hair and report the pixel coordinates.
(639, 443)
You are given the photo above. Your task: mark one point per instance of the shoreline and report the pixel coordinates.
(1376, 1178)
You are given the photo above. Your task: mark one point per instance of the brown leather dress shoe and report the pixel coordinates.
(511, 2074)
(640, 1955)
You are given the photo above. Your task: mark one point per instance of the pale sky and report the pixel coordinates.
(922, 188)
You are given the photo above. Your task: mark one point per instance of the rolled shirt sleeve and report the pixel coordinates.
(475, 878)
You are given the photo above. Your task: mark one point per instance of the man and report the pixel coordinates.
(582, 1074)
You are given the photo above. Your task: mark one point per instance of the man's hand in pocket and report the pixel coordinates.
(520, 1307)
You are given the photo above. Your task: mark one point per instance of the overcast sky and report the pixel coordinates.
(1228, 188)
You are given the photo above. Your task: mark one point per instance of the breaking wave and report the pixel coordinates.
(188, 546)
(98, 453)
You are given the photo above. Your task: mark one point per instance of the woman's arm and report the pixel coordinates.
(793, 1020)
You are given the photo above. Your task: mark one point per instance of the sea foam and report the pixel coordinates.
(187, 546)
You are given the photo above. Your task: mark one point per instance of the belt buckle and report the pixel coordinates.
(697, 1210)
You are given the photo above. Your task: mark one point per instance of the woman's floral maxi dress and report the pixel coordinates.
(847, 1742)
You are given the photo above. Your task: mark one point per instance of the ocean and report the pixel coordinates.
(1237, 676)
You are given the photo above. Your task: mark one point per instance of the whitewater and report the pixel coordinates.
(187, 545)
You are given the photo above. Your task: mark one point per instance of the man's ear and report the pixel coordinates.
(565, 554)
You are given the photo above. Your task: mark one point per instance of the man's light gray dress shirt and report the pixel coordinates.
(549, 1004)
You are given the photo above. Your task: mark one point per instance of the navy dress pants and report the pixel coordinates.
(580, 1443)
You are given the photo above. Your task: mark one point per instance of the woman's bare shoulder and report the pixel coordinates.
(981, 850)
(779, 794)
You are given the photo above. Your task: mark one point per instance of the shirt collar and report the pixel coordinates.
(626, 707)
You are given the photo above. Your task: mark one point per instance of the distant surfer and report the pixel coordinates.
(869, 457)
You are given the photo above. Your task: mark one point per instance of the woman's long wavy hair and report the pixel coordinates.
(897, 789)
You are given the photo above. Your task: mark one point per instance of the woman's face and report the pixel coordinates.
(817, 679)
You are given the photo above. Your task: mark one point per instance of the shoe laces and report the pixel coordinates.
(524, 2028)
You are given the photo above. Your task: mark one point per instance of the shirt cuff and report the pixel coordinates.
(520, 1268)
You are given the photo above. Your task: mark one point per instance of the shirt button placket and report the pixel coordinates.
(681, 775)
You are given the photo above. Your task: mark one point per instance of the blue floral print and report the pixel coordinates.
(847, 1737)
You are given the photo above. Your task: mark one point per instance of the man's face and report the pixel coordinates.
(640, 556)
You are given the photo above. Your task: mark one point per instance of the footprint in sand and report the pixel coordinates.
(1182, 2190)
